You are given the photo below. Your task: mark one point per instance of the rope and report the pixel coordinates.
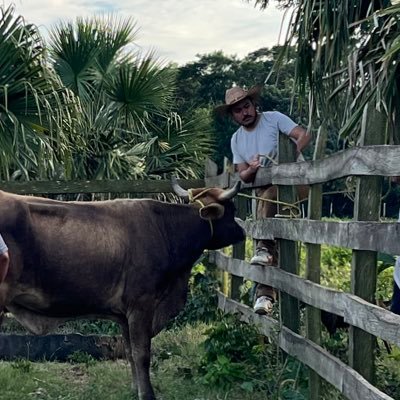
(194, 199)
(287, 206)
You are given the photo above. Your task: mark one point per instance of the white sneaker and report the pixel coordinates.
(263, 305)
(262, 256)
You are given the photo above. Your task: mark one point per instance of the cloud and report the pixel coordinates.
(177, 30)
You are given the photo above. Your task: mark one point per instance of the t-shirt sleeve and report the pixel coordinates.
(3, 246)
(284, 123)
(237, 158)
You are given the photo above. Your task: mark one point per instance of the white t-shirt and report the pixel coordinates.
(263, 139)
(397, 267)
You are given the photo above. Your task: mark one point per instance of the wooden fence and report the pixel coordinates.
(365, 235)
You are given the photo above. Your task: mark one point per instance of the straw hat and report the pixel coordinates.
(236, 94)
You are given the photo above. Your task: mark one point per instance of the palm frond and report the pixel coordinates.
(32, 107)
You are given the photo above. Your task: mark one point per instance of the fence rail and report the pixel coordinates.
(356, 311)
(97, 186)
(334, 371)
(364, 235)
(359, 161)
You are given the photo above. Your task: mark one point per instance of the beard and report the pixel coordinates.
(250, 121)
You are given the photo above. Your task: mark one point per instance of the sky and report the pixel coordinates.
(176, 30)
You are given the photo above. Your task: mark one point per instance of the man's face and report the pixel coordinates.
(244, 113)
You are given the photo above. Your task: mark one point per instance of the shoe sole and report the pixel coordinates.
(268, 264)
(262, 311)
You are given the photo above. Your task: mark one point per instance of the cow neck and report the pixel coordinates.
(195, 199)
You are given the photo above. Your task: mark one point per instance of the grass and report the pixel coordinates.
(180, 368)
(65, 381)
(175, 373)
(175, 376)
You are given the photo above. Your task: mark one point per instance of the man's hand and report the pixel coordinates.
(302, 138)
(254, 164)
(248, 171)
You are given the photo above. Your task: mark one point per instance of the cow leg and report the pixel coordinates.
(128, 349)
(140, 325)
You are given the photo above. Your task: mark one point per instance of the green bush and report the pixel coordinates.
(22, 364)
(336, 270)
(235, 353)
(81, 357)
(201, 305)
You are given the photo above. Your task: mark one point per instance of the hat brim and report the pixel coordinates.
(253, 93)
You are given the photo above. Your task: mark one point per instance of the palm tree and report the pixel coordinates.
(33, 104)
(126, 127)
(347, 56)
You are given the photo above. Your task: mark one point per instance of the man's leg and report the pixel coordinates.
(266, 251)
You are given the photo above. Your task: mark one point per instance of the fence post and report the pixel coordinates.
(239, 249)
(364, 263)
(210, 170)
(313, 263)
(287, 248)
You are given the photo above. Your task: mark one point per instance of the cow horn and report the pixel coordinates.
(180, 191)
(230, 193)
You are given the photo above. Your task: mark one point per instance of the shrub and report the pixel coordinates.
(81, 357)
(22, 364)
(201, 305)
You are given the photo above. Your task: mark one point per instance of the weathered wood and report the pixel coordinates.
(375, 236)
(239, 249)
(222, 180)
(288, 260)
(109, 186)
(210, 172)
(350, 383)
(210, 168)
(313, 314)
(363, 161)
(364, 263)
(356, 311)
(313, 263)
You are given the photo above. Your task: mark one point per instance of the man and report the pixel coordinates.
(255, 141)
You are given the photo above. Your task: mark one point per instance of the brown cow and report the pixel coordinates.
(124, 260)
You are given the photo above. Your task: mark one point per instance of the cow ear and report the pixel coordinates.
(212, 211)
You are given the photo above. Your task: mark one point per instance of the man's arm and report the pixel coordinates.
(247, 172)
(301, 136)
